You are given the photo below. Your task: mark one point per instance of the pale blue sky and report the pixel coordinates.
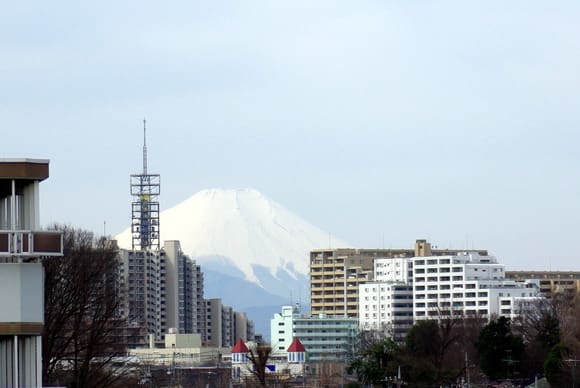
(455, 121)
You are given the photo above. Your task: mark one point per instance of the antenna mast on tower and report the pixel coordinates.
(145, 189)
(144, 147)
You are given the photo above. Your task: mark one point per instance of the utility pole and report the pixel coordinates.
(467, 371)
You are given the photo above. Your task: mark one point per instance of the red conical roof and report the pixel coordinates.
(296, 346)
(240, 347)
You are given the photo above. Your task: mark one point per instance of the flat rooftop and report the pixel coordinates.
(24, 169)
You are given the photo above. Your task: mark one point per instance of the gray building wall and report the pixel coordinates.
(213, 329)
(161, 290)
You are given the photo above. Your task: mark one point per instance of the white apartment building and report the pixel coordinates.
(281, 328)
(393, 270)
(386, 307)
(325, 338)
(466, 284)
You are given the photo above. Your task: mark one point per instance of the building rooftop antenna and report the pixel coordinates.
(144, 147)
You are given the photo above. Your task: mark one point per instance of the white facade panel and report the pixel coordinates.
(21, 292)
(386, 306)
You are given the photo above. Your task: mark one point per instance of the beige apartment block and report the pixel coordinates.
(335, 274)
(551, 282)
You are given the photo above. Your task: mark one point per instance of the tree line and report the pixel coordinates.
(454, 350)
(82, 314)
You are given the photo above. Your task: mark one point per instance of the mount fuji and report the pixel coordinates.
(254, 252)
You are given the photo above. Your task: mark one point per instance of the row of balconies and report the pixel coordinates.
(317, 286)
(30, 243)
(332, 327)
(438, 279)
(437, 312)
(455, 295)
(440, 270)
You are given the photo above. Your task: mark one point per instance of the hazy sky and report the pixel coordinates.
(455, 121)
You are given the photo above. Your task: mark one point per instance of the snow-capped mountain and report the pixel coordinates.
(243, 233)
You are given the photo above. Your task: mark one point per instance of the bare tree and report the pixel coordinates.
(259, 357)
(81, 312)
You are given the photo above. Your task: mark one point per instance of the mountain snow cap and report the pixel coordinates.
(247, 228)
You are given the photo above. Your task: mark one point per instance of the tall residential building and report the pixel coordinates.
(551, 282)
(143, 294)
(467, 284)
(224, 326)
(228, 326)
(213, 334)
(243, 327)
(22, 245)
(184, 290)
(387, 307)
(335, 274)
(398, 270)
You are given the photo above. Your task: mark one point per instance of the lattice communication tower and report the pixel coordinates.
(145, 189)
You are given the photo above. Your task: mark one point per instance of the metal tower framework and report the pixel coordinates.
(145, 189)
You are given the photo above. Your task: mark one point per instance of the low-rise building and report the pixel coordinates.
(178, 350)
(326, 338)
(285, 368)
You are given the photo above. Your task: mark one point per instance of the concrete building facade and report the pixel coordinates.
(386, 307)
(335, 274)
(161, 289)
(325, 338)
(142, 295)
(243, 327)
(466, 284)
(22, 246)
(551, 282)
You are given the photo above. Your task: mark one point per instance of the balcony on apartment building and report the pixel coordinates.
(20, 235)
